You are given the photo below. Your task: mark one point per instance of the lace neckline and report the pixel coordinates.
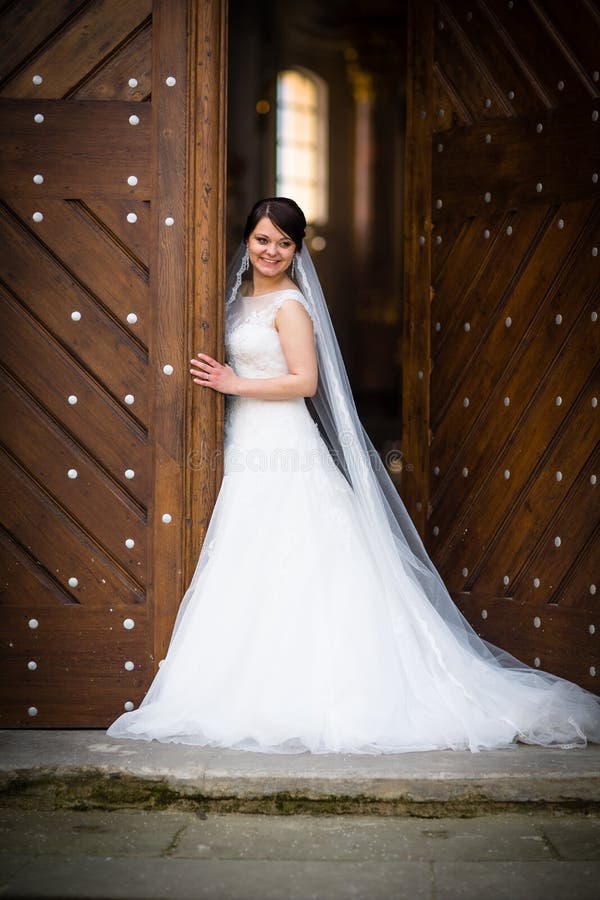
(270, 293)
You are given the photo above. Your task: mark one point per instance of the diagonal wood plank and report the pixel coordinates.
(561, 379)
(449, 109)
(445, 242)
(111, 80)
(563, 538)
(23, 578)
(481, 305)
(579, 588)
(456, 279)
(112, 216)
(468, 74)
(513, 172)
(100, 507)
(56, 542)
(29, 26)
(30, 354)
(49, 291)
(66, 380)
(521, 93)
(88, 252)
(535, 48)
(576, 31)
(530, 496)
(78, 49)
(540, 289)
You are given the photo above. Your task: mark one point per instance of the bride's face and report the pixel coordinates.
(270, 250)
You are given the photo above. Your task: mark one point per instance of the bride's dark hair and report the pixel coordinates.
(285, 215)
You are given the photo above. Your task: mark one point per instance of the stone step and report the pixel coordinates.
(84, 769)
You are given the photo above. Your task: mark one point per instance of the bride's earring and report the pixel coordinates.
(294, 266)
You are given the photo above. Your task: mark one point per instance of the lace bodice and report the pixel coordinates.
(252, 344)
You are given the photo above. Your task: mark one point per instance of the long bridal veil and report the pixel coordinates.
(432, 634)
(395, 541)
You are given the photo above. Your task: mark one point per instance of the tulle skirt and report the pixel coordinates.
(291, 638)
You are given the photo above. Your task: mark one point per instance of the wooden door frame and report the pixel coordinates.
(416, 325)
(189, 153)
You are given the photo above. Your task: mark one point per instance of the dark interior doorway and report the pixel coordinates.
(355, 53)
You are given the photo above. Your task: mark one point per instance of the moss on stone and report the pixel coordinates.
(39, 789)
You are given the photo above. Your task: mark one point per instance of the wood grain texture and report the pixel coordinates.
(89, 252)
(66, 150)
(513, 372)
(29, 353)
(538, 51)
(416, 349)
(48, 290)
(561, 641)
(80, 47)
(25, 583)
(206, 271)
(89, 682)
(169, 58)
(514, 157)
(75, 330)
(103, 285)
(132, 237)
(57, 542)
(30, 25)
(110, 81)
(99, 505)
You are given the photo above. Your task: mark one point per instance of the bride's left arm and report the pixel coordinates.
(298, 344)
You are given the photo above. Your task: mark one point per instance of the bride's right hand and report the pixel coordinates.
(208, 372)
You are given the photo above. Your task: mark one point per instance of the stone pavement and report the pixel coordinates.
(45, 769)
(152, 855)
(86, 816)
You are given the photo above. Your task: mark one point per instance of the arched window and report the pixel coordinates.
(302, 145)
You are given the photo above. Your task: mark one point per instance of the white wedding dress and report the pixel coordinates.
(285, 640)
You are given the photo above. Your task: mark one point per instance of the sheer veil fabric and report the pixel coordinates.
(427, 681)
(568, 715)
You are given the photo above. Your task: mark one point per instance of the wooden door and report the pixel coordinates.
(111, 237)
(501, 332)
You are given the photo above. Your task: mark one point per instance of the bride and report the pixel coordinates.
(315, 619)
